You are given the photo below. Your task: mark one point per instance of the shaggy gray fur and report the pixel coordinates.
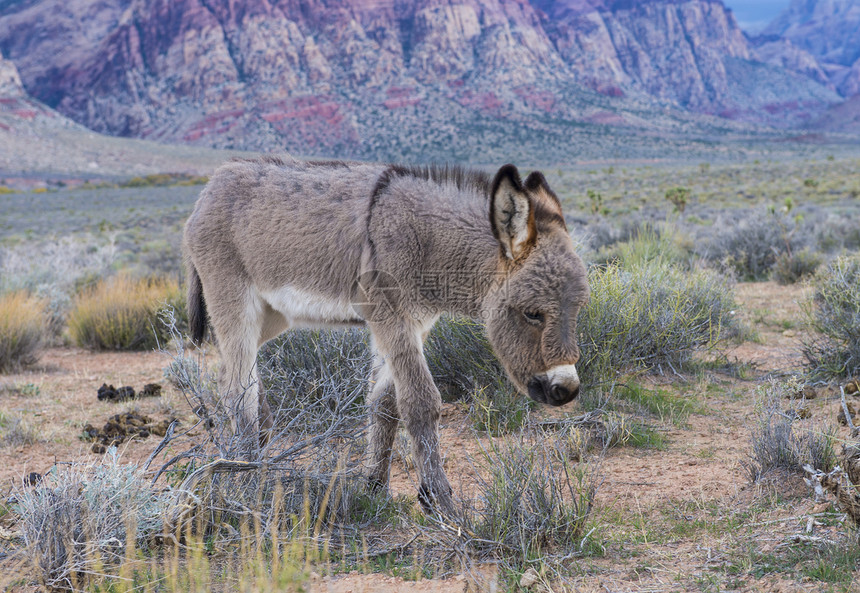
(274, 244)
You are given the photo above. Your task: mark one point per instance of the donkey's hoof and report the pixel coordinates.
(376, 485)
(434, 502)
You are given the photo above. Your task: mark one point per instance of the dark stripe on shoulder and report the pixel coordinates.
(381, 185)
(328, 163)
(266, 159)
(459, 177)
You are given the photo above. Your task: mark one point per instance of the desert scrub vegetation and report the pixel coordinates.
(533, 501)
(16, 431)
(311, 363)
(120, 313)
(164, 179)
(790, 268)
(22, 330)
(752, 247)
(652, 315)
(84, 519)
(833, 312)
(780, 439)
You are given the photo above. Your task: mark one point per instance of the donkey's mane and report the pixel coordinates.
(459, 177)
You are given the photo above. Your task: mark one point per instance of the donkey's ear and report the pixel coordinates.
(537, 186)
(512, 213)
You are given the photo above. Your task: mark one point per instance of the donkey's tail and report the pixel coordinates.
(196, 305)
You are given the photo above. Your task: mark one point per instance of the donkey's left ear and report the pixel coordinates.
(512, 213)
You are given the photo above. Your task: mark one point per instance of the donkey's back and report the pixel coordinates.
(282, 225)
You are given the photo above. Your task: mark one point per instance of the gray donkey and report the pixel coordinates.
(273, 244)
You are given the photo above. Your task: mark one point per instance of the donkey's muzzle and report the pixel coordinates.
(543, 390)
(555, 387)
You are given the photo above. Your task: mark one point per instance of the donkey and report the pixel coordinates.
(273, 244)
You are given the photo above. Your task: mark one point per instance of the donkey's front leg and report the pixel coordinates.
(383, 423)
(419, 405)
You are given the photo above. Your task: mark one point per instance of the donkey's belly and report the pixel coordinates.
(302, 308)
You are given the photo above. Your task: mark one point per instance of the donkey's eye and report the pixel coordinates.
(533, 317)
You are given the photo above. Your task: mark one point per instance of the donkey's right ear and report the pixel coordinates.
(512, 213)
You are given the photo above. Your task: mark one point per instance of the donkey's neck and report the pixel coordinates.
(461, 263)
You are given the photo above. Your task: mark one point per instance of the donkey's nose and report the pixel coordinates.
(542, 389)
(561, 384)
(560, 394)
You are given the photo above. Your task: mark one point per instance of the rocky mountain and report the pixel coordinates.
(820, 38)
(37, 144)
(10, 80)
(413, 79)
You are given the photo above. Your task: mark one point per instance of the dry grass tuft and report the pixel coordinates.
(780, 440)
(121, 313)
(22, 330)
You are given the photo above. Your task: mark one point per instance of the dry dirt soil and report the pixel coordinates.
(685, 517)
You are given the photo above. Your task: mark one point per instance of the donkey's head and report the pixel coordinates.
(532, 314)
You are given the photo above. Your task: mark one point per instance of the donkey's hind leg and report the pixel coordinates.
(383, 422)
(274, 324)
(236, 312)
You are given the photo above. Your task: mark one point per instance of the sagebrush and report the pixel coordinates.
(82, 517)
(780, 439)
(651, 315)
(833, 312)
(534, 502)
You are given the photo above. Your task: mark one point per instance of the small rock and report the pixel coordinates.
(530, 578)
(852, 387)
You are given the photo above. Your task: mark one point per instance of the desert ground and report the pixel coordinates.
(684, 516)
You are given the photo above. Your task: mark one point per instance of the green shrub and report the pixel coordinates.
(833, 312)
(22, 330)
(652, 315)
(648, 245)
(164, 180)
(679, 197)
(121, 313)
(499, 408)
(305, 368)
(794, 267)
(16, 431)
(461, 359)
